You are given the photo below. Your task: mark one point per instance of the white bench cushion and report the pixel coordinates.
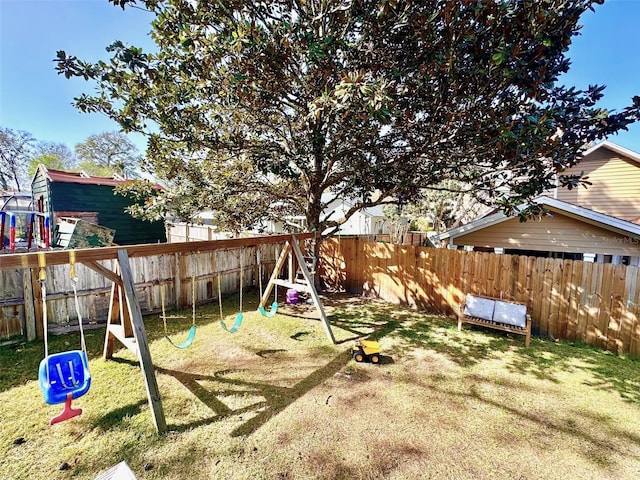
(479, 307)
(510, 313)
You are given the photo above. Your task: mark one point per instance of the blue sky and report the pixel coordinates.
(33, 97)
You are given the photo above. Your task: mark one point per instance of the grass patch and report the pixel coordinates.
(275, 400)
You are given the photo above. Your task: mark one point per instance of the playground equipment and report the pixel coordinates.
(124, 321)
(192, 330)
(305, 284)
(301, 278)
(40, 237)
(366, 350)
(63, 376)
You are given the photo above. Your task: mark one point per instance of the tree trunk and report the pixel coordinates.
(314, 210)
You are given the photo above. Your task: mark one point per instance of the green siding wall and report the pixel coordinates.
(78, 197)
(40, 187)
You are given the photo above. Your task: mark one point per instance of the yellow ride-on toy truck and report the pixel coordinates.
(366, 350)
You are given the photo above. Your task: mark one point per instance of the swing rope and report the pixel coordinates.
(192, 330)
(74, 283)
(239, 315)
(274, 305)
(45, 321)
(43, 287)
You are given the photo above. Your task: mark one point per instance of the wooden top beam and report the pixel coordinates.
(87, 255)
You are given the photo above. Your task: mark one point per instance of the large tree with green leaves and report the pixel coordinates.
(352, 97)
(106, 153)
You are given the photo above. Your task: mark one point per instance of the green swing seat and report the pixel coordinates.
(188, 341)
(271, 313)
(236, 325)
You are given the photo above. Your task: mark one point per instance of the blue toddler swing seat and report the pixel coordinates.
(63, 376)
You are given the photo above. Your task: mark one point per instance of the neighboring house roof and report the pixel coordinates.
(615, 148)
(613, 191)
(573, 211)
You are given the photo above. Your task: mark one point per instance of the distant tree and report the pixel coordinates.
(348, 97)
(444, 206)
(59, 150)
(48, 160)
(52, 155)
(107, 153)
(16, 147)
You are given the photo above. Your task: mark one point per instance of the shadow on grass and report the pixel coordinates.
(610, 372)
(276, 398)
(408, 330)
(601, 452)
(115, 417)
(300, 335)
(373, 321)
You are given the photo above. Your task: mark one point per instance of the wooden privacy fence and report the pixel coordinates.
(598, 304)
(154, 267)
(189, 232)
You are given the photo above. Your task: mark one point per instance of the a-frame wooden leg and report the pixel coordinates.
(312, 289)
(118, 323)
(144, 355)
(290, 249)
(284, 254)
(112, 319)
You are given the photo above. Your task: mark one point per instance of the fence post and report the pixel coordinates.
(30, 317)
(177, 280)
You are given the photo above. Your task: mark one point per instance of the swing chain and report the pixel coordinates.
(42, 261)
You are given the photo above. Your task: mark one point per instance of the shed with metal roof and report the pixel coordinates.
(92, 199)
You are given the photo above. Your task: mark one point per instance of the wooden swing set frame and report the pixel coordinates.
(125, 322)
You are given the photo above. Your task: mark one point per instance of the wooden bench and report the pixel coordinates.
(497, 314)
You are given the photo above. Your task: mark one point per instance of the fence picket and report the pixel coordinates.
(632, 322)
(564, 299)
(574, 295)
(618, 309)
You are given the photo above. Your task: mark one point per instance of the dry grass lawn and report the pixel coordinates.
(276, 401)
